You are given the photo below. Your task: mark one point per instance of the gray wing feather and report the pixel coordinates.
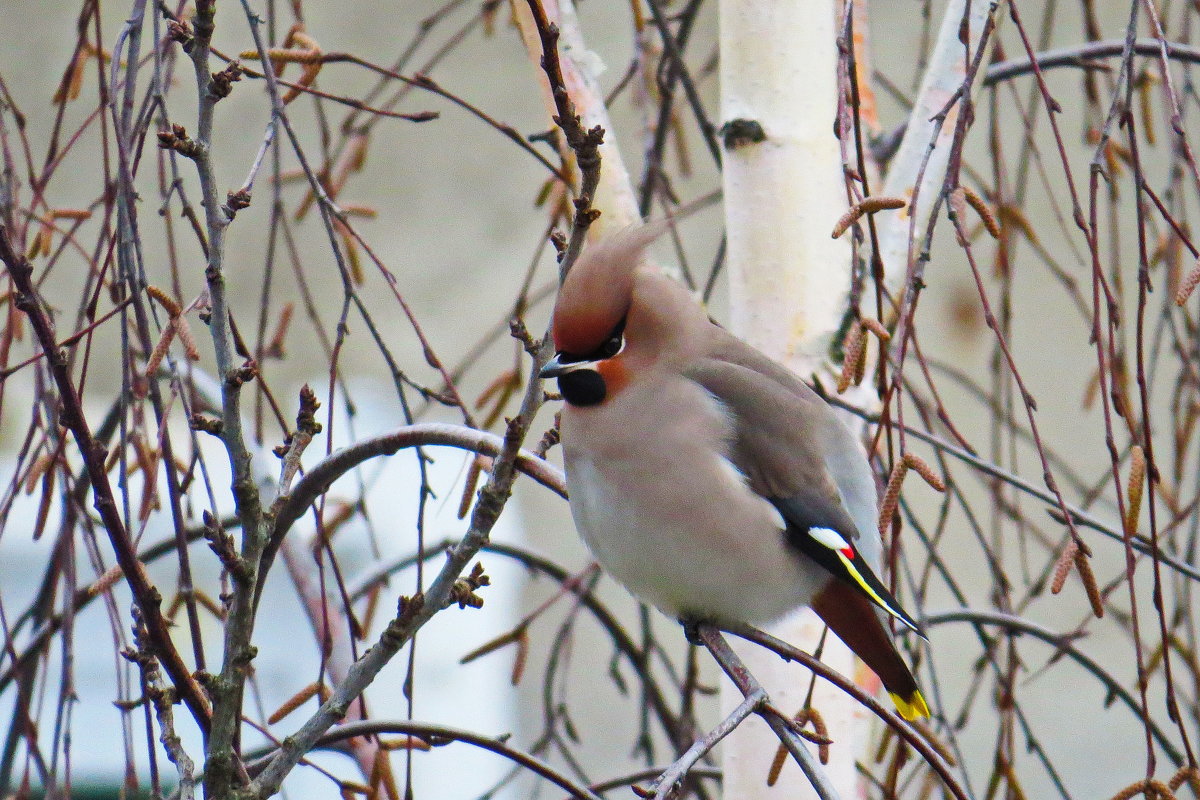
(790, 445)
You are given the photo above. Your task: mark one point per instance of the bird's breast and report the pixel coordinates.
(666, 512)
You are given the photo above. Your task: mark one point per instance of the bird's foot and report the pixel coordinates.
(691, 629)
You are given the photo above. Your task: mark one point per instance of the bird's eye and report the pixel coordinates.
(613, 346)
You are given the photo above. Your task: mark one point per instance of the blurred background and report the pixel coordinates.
(450, 221)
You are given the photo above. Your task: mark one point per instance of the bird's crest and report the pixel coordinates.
(597, 292)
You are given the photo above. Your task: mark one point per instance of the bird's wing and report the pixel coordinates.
(778, 443)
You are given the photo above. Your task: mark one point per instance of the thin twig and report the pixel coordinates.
(749, 687)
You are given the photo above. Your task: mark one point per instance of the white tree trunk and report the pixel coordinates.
(943, 77)
(788, 278)
(788, 281)
(614, 197)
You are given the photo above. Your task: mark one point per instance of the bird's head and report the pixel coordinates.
(593, 304)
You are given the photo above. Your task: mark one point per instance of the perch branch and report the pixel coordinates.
(753, 703)
(748, 685)
(906, 732)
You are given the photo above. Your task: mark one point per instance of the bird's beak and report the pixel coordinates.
(554, 367)
(559, 366)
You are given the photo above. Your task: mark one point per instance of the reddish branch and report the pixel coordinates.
(892, 719)
(604, 617)
(1064, 645)
(94, 454)
(420, 81)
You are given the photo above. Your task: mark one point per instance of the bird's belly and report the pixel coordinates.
(690, 548)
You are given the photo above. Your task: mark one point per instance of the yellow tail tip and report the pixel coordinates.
(911, 707)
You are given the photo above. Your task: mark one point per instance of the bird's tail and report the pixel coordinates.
(852, 617)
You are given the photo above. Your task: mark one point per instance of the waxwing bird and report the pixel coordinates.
(708, 479)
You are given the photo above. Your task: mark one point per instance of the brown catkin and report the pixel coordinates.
(876, 327)
(852, 352)
(406, 743)
(522, 657)
(1150, 789)
(356, 158)
(36, 470)
(42, 243)
(892, 776)
(104, 582)
(868, 205)
(353, 259)
(1089, 583)
(381, 774)
(305, 42)
(860, 369)
(184, 332)
(209, 604)
(72, 82)
(1137, 481)
(295, 701)
(1062, 567)
(805, 716)
(1015, 790)
(845, 221)
(503, 640)
(891, 495)
(918, 465)
(885, 741)
(75, 214)
(165, 300)
(282, 55)
(983, 210)
(1189, 774)
(468, 494)
(777, 763)
(342, 513)
(818, 722)
(309, 74)
(160, 350)
(1188, 286)
(1155, 659)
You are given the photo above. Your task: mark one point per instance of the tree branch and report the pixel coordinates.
(438, 735)
(1084, 56)
(749, 686)
(223, 767)
(1064, 645)
(906, 732)
(145, 594)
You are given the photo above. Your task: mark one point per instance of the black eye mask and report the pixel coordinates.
(612, 345)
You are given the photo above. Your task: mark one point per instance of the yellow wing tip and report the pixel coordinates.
(912, 707)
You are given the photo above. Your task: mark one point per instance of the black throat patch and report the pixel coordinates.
(582, 387)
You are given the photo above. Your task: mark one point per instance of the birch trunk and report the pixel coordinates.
(788, 282)
(924, 151)
(789, 279)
